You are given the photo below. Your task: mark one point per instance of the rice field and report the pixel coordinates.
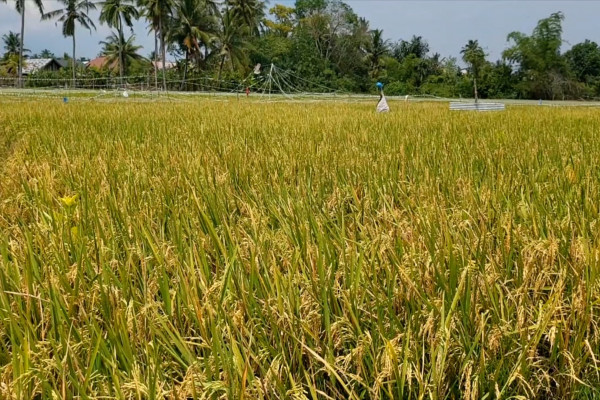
(251, 250)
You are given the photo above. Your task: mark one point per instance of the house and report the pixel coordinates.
(101, 63)
(66, 63)
(168, 64)
(33, 65)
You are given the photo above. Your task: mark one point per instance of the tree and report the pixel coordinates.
(417, 46)
(474, 56)
(157, 12)
(496, 80)
(330, 28)
(116, 49)
(283, 25)
(74, 11)
(306, 8)
(10, 64)
(12, 44)
(118, 14)
(378, 47)
(538, 57)
(248, 12)
(46, 54)
(584, 60)
(20, 6)
(194, 28)
(231, 42)
(329, 45)
(147, 12)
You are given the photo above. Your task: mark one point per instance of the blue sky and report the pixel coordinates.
(446, 24)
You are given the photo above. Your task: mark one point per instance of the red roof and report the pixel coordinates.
(100, 63)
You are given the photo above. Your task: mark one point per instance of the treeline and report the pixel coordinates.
(323, 41)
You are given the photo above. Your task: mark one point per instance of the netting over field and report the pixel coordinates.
(271, 83)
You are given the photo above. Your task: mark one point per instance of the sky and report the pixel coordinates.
(446, 24)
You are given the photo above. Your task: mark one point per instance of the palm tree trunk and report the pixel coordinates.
(475, 89)
(184, 70)
(74, 60)
(121, 67)
(121, 61)
(156, 59)
(221, 70)
(163, 52)
(20, 84)
(121, 39)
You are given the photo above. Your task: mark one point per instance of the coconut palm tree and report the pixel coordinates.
(377, 48)
(20, 6)
(248, 12)
(194, 26)
(10, 64)
(46, 54)
(231, 43)
(117, 49)
(74, 11)
(118, 14)
(12, 44)
(146, 7)
(474, 55)
(157, 12)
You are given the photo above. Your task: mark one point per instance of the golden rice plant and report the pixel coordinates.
(249, 250)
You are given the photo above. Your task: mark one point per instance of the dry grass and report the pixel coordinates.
(246, 250)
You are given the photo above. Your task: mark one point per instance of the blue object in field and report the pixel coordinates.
(379, 85)
(65, 99)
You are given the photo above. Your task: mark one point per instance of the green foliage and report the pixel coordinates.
(232, 43)
(193, 27)
(283, 25)
(398, 88)
(118, 14)
(74, 12)
(118, 50)
(9, 65)
(304, 8)
(498, 81)
(542, 67)
(249, 13)
(11, 44)
(474, 56)
(417, 47)
(272, 49)
(584, 61)
(46, 54)
(377, 48)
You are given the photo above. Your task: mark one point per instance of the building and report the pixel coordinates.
(66, 63)
(33, 65)
(101, 63)
(168, 64)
